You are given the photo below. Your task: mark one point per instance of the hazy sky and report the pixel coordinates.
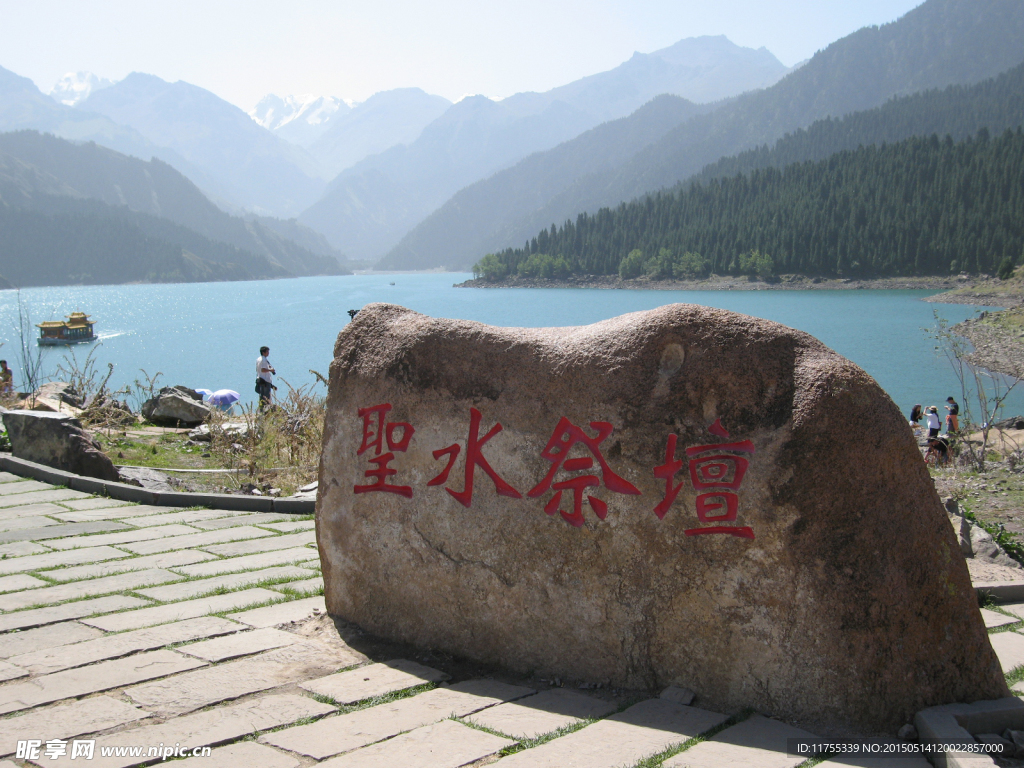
(242, 50)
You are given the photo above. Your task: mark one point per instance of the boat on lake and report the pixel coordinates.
(75, 330)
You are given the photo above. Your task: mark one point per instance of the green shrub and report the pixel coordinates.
(490, 267)
(633, 265)
(1006, 267)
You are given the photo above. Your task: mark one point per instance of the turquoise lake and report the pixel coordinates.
(209, 334)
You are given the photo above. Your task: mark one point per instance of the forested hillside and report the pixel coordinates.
(922, 206)
(939, 43)
(957, 111)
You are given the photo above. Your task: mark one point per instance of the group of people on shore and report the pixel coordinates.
(931, 417)
(937, 444)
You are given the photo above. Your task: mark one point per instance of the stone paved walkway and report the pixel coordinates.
(136, 627)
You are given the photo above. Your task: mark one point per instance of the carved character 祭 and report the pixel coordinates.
(565, 437)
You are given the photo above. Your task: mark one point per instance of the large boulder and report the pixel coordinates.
(57, 440)
(684, 496)
(178, 406)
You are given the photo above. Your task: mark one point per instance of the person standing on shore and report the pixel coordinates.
(932, 419)
(953, 417)
(6, 379)
(264, 377)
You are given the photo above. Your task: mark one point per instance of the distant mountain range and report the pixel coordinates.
(247, 164)
(80, 213)
(76, 86)
(371, 205)
(941, 42)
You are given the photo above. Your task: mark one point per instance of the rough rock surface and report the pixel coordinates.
(57, 440)
(144, 477)
(850, 604)
(176, 405)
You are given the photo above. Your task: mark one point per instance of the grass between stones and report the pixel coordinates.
(655, 761)
(386, 698)
(523, 744)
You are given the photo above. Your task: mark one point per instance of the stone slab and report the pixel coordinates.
(447, 744)
(57, 559)
(264, 545)
(50, 660)
(273, 615)
(29, 640)
(757, 742)
(19, 523)
(122, 510)
(357, 729)
(1017, 609)
(188, 609)
(229, 522)
(8, 477)
(32, 510)
(127, 537)
(247, 753)
(65, 721)
(190, 589)
(240, 644)
(20, 581)
(644, 729)
(231, 564)
(72, 683)
(95, 502)
(184, 516)
(297, 525)
(38, 617)
(995, 619)
(209, 728)
(196, 540)
(1009, 647)
(373, 680)
(40, 497)
(24, 486)
(21, 548)
(61, 531)
(304, 587)
(9, 671)
(547, 711)
(171, 559)
(74, 590)
(291, 664)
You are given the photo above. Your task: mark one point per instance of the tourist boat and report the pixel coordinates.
(75, 330)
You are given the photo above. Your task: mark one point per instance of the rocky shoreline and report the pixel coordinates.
(715, 283)
(996, 348)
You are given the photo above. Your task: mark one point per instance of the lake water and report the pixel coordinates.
(209, 334)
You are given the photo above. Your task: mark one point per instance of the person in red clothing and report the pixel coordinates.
(953, 416)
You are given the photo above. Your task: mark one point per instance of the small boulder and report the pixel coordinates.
(176, 405)
(908, 733)
(57, 440)
(144, 477)
(985, 548)
(679, 695)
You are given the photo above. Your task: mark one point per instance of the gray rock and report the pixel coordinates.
(59, 441)
(144, 477)
(999, 746)
(985, 548)
(908, 733)
(176, 405)
(679, 695)
(962, 529)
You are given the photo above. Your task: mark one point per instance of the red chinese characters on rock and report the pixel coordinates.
(715, 476)
(474, 458)
(377, 431)
(565, 437)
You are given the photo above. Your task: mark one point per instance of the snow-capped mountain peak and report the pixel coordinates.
(76, 86)
(300, 119)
